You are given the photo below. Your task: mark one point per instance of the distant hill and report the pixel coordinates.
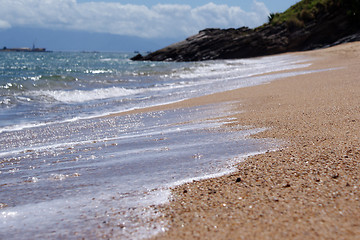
(309, 24)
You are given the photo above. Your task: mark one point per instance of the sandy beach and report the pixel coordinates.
(310, 188)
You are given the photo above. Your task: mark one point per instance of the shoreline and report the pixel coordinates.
(219, 97)
(310, 188)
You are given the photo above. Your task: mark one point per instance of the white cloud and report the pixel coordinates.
(170, 20)
(4, 24)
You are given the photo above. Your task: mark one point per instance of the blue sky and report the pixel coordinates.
(123, 25)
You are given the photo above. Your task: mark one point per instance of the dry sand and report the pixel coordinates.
(310, 189)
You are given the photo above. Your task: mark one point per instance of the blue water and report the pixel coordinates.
(50, 87)
(39, 88)
(70, 170)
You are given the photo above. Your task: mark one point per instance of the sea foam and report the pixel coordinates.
(79, 96)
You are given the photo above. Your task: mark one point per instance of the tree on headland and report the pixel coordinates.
(305, 11)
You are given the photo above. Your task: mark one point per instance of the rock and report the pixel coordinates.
(287, 185)
(335, 175)
(137, 57)
(328, 28)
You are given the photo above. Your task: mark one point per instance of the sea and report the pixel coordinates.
(76, 164)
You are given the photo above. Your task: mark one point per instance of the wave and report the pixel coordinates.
(98, 71)
(241, 67)
(79, 96)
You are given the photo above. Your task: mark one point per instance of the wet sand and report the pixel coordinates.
(310, 188)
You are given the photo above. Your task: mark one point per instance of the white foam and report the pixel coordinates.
(52, 218)
(19, 127)
(99, 71)
(79, 96)
(243, 67)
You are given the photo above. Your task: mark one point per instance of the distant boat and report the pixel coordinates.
(24, 49)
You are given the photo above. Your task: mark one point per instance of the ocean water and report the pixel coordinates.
(70, 170)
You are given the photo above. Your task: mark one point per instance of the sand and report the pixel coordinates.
(308, 189)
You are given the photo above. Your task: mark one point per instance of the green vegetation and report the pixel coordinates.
(301, 13)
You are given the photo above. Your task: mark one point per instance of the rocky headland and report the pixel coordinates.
(309, 24)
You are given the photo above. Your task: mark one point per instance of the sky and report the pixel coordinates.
(123, 25)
